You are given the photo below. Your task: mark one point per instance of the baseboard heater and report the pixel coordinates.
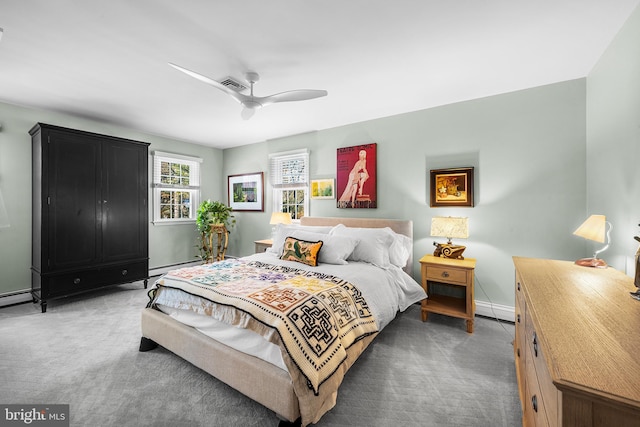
(17, 297)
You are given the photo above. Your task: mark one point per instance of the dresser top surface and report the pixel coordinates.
(588, 324)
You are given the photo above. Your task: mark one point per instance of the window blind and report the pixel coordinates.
(289, 169)
(176, 171)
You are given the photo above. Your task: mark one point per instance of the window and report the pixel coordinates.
(290, 181)
(176, 187)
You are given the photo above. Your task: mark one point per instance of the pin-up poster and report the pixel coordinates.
(356, 176)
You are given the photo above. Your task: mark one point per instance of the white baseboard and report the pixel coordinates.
(502, 312)
(17, 297)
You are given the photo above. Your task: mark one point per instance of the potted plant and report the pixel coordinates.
(212, 213)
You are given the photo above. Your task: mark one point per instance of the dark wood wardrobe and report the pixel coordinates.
(90, 212)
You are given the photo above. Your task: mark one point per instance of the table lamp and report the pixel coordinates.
(595, 228)
(279, 218)
(449, 227)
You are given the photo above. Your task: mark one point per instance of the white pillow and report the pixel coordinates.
(335, 249)
(400, 249)
(373, 246)
(284, 230)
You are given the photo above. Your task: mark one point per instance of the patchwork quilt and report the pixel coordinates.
(317, 316)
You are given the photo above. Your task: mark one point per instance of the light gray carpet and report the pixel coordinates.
(84, 352)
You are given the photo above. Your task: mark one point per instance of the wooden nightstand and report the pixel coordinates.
(263, 245)
(455, 275)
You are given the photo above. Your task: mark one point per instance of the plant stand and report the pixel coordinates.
(218, 241)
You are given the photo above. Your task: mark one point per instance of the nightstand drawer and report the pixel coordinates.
(451, 275)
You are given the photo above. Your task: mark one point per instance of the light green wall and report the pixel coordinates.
(167, 244)
(528, 150)
(613, 143)
(545, 158)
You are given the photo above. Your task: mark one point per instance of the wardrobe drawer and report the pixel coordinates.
(69, 283)
(125, 272)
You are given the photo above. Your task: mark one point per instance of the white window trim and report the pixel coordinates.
(157, 187)
(277, 187)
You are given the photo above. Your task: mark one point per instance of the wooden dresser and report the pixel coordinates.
(577, 347)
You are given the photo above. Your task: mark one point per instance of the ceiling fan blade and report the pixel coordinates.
(292, 95)
(247, 113)
(235, 95)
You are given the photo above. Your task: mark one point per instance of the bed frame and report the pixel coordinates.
(255, 378)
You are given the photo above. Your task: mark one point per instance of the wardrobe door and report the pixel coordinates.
(73, 197)
(124, 204)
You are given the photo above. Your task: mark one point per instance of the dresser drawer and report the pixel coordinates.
(519, 291)
(520, 347)
(451, 275)
(534, 404)
(547, 392)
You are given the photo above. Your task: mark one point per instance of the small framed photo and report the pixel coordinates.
(451, 187)
(246, 192)
(323, 189)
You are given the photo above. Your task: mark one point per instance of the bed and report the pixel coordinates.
(211, 324)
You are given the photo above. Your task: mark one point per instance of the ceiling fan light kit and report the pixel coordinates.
(251, 102)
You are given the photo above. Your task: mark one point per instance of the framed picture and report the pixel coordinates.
(356, 176)
(323, 189)
(451, 187)
(246, 192)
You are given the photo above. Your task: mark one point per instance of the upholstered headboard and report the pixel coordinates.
(399, 226)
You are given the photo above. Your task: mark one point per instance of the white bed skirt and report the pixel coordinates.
(243, 340)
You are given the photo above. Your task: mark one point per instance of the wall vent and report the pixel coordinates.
(234, 84)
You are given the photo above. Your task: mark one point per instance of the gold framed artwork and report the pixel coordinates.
(246, 192)
(451, 187)
(323, 189)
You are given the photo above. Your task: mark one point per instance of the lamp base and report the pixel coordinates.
(591, 262)
(446, 250)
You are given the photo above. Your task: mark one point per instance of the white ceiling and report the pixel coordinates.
(107, 60)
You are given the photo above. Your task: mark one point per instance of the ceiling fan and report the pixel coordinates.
(251, 102)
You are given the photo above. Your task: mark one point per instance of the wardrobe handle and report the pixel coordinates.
(445, 274)
(518, 286)
(518, 318)
(534, 402)
(535, 344)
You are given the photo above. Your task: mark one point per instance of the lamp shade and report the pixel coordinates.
(593, 228)
(280, 218)
(450, 227)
